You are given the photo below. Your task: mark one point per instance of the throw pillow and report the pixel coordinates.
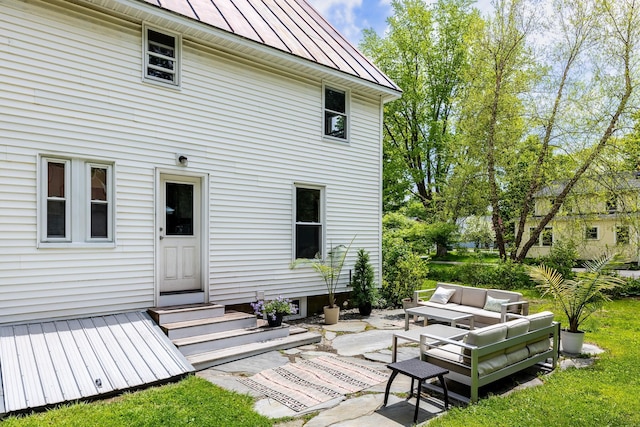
(442, 295)
(494, 304)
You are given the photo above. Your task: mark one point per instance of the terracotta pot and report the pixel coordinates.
(331, 315)
(571, 342)
(409, 303)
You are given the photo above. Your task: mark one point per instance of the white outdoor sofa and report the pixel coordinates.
(488, 306)
(493, 352)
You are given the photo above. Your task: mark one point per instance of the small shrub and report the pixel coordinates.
(364, 287)
(562, 258)
(402, 270)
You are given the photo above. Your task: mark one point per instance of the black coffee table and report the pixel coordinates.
(417, 370)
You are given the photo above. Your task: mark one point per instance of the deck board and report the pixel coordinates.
(51, 362)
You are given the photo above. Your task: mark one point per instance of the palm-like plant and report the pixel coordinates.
(579, 297)
(329, 268)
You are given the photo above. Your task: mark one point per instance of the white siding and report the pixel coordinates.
(73, 87)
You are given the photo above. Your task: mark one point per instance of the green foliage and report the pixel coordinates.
(191, 402)
(329, 268)
(363, 281)
(580, 297)
(502, 275)
(562, 258)
(403, 271)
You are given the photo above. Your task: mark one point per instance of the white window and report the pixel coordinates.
(336, 113)
(76, 202)
(309, 230)
(161, 56)
(591, 233)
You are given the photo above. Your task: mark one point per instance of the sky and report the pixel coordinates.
(350, 17)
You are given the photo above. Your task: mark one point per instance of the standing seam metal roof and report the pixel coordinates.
(291, 26)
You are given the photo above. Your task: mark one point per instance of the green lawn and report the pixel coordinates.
(470, 256)
(605, 394)
(191, 402)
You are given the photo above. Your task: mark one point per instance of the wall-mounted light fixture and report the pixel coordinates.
(182, 160)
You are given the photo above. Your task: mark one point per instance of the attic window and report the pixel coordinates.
(162, 54)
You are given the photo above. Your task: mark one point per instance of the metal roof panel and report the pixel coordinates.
(291, 26)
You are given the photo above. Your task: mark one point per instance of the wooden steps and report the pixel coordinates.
(209, 336)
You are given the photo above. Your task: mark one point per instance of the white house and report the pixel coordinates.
(156, 153)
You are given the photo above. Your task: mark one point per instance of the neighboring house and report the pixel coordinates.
(598, 217)
(158, 153)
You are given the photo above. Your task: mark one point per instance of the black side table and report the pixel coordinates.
(417, 370)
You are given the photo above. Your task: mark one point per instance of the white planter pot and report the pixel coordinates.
(571, 342)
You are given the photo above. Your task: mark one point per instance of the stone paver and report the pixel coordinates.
(366, 342)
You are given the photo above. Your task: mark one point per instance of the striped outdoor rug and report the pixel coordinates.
(308, 383)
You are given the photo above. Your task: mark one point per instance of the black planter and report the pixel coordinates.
(365, 309)
(275, 322)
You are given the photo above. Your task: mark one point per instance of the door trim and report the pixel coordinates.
(202, 295)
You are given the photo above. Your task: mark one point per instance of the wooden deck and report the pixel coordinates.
(43, 364)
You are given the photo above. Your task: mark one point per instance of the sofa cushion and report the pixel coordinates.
(540, 320)
(457, 295)
(517, 327)
(517, 355)
(442, 295)
(511, 296)
(473, 297)
(487, 335)
(539, 346)
(494, 304)
(493, 364)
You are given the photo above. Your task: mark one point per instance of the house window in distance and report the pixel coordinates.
(162, 55)
(335, 113)
(308, 222)
(76, 202)
(547, 236)
(591, 233)
(622, 234)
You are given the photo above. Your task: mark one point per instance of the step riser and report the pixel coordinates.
(233, 341)
(193, 331)
(182, 316)
(241, 354)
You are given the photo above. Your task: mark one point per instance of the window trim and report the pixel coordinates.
(347, 113)
(321, 216)
(586, 230)
(78, 208)
(177, 71)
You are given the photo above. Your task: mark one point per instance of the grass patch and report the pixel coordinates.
(605, 394)
(190, 402)
(470, 256)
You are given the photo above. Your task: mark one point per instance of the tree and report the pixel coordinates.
(573, 104)
(426, 53)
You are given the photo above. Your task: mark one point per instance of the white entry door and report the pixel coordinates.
(179, 234)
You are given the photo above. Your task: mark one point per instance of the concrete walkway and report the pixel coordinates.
(366, 341)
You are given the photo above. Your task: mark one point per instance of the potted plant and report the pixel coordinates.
(329, 269)
(578, 297)
(364, 293)
(274, 310)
